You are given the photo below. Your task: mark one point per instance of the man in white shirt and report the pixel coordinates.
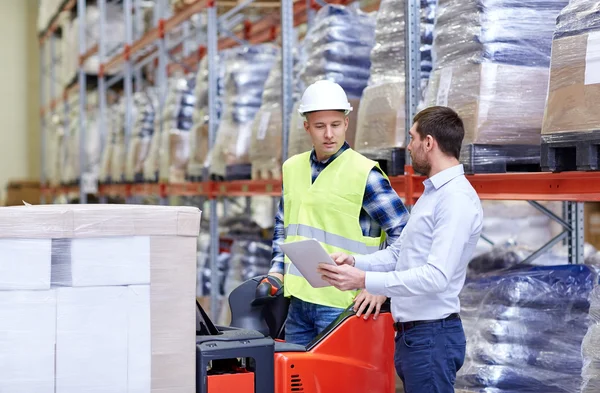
(424, 270)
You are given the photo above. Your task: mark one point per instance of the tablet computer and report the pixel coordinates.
(306, 255)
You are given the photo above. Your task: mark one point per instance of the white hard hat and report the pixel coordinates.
(324, 95)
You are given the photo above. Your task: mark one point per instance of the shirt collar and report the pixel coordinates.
(313, 155)
(439, 179)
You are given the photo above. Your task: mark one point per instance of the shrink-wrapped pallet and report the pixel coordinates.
(574, 90)
(144, 107)
(266, 143)
(525, 327)
(98, 298)
(496, 55)
(381, 116)
(199, 135)
(246, 71)
(337, 47)
(591, 347)
(177, 123)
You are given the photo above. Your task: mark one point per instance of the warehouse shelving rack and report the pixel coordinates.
(573, 188)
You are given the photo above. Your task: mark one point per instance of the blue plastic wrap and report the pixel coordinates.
(266, 143)
(578, 17)
(338, 46)
(246, 71)
(380, 122)
(525, 327)
(504, 32)
(591, 348)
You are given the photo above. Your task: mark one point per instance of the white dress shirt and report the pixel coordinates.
(424, 270)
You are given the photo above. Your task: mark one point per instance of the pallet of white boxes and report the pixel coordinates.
(98, 298)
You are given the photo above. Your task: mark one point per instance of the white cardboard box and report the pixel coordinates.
(27, 337)
(91, 340)
(25, 264)
(101, 261)
(139, 365)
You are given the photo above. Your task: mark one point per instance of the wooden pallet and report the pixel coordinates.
(479, 158)
(571, 151)
(391, 160)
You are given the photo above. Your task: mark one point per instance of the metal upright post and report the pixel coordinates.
(287, 70)
(81, 12)
(139, 31)
(127, 8)
(161, 74)
(102, 80)
(43, 115)
(575, 239)
(212, 53)
(412, 66)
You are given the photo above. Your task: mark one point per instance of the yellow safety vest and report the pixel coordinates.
(327, 210)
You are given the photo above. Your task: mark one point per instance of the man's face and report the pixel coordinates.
(327, 130)
(418, 155)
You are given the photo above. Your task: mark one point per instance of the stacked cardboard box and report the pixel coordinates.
(98, 298)
(574, 90)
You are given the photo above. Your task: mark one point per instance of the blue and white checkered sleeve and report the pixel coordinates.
(277, 261)
(384, 205)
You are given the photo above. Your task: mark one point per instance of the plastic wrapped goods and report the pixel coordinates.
(495, 55)
(525, 328)
(175, 138)
(246, 71)
(574, 89)
(199, 134)
(381, 117)
(500, 31)
(337, 47)
(144, 108)
(265, 146)
(499, 103)
(98, 298)
(591, 347)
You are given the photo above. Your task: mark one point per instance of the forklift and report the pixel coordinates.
(352, 355)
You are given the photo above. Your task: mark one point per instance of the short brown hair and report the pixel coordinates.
(444, 125)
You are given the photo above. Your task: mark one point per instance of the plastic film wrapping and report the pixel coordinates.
(175, 139)
(144, 104)
(591, 347)
(199, 134)
(265, 146)
(111, 127)
(381, 116)
(525, 328)
(337, 47)
(574, 74)
(495, 55)
(98, 298)
(247, 69)
(119, 153)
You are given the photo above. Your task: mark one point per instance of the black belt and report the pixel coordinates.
(404, 326)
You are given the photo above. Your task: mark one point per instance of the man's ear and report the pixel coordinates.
(429, 142)
(306, 126)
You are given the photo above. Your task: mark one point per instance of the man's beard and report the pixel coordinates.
(421, 166)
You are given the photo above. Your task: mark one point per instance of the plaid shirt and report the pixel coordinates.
(382, 209)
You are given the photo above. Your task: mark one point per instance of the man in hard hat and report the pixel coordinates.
(425, 270)
(339, 197)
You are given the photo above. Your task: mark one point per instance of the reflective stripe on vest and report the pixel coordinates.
(332, 239)
(327, 210)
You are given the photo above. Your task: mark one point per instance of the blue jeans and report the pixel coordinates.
(428, 356)
(306, 320)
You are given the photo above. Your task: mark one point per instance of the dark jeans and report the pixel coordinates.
(306, 320)
(428, 356)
